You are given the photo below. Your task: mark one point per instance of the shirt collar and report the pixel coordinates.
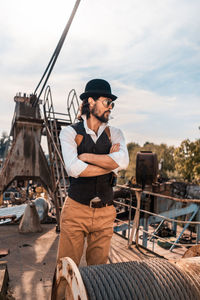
(90, 131)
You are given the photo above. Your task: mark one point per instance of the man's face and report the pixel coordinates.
(102, 109)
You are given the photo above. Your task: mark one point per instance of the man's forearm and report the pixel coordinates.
(93, 171)
(101, 160)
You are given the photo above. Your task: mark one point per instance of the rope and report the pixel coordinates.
(151, 279)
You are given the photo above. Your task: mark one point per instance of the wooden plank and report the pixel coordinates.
(124, 255)
(120, 252)
(133, 253)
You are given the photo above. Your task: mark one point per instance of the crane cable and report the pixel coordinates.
(151, 279)
(54, 57)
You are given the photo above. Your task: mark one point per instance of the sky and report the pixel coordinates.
(149, 51)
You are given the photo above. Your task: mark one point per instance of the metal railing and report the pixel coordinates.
(134, 228)
(53, 122)
(73, 105)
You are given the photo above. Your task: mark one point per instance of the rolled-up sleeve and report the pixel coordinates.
(73, 165)
(121, 157)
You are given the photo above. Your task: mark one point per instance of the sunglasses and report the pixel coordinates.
(107, 102)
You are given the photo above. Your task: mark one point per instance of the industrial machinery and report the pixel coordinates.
(146, 175)
(146, 168)
(146, 279)
(149, 203)
(25, 159)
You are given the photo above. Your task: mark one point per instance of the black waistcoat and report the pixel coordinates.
(83, 189)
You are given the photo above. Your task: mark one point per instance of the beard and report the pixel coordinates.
(102, 118)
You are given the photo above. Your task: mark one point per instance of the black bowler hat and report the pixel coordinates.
(98, 87)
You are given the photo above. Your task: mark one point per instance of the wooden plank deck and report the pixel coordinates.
(32, 257)
(119, 251)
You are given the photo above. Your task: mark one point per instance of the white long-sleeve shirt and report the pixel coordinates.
(74, 166)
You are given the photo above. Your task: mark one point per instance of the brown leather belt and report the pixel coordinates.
(100, 204)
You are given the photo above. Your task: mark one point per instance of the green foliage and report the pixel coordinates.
(187, 160)
(133, 148)
(164, 153)
(181, 163)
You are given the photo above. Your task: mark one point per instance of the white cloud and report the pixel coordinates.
(148, 50)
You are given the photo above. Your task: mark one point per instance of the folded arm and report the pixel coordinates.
(101, 160)
(74, 166)
(92, 170)
(93, 164)
(118, 157)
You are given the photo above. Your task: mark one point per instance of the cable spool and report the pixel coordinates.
(146, 168)
(148, 279)
(151, 279)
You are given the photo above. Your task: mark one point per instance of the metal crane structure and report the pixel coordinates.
(25, 159)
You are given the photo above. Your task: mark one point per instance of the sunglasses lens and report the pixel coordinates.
(108, 103)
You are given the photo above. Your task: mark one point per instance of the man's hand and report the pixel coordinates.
(115, 148)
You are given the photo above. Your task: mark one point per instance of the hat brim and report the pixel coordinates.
(96, 93)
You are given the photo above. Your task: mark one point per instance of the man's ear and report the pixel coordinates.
(91, 101)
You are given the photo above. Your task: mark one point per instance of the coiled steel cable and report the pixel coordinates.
(143, 281)
(161, 278)
(169, 272)
(185, 285)
(151, 279)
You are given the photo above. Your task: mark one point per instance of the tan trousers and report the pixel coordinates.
(79, 221)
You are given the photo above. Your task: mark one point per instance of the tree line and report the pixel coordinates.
(179, 163)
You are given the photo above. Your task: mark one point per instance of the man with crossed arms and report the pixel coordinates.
(93, 152)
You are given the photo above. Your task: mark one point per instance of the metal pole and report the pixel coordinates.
(145, 224)
(185, 227)
(129, 217)
(136, 222)
(56, 53)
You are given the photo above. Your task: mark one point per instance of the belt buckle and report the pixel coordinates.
(94, 200)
